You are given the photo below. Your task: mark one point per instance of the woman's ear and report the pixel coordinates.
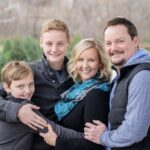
(6, 87)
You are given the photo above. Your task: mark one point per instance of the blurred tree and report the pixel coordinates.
(74, 41)
(26, 49)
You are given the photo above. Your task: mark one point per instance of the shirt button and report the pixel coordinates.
(53, 81)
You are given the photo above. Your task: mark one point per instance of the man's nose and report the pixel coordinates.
(114, 46)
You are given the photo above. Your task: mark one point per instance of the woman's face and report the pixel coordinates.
(88, 64)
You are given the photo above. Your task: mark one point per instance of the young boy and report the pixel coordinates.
(18, 82)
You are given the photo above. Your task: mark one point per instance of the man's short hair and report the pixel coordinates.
(131, 29)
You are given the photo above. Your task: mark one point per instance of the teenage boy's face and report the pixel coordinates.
(54, 44)
(23, 89)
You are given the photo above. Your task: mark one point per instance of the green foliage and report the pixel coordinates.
(74, 41)
(26, 49)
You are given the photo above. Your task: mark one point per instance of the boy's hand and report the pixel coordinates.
(28, 117)
(50, 136)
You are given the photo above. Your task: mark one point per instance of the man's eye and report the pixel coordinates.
(121, 41)
(107, 44)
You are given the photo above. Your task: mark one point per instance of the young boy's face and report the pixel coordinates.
(23, 88)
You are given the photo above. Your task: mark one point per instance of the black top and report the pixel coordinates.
(95, 106)
(49, 86)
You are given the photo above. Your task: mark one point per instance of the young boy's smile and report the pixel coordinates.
(23, 88)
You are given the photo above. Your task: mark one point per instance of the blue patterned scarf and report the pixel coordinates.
(75, 94)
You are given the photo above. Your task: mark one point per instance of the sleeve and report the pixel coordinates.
(96, 107)
(60, 130)
(65, 133)
(136, 124)
(8, 109)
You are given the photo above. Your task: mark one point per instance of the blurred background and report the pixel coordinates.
(21, 20)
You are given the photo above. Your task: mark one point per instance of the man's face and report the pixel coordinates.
(118, 44)
(54, 44)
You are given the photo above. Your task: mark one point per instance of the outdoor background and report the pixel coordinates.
(21, 20)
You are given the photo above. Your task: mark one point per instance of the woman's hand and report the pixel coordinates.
(50, 136)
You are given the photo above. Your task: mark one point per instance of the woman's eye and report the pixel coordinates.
(80, 59)
(91, 60)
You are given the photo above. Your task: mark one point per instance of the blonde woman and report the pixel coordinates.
(87, 99)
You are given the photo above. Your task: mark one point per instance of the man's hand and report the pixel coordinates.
(28, 117)
(93, 131)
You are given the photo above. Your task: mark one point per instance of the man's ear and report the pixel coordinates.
(136, 41)
(6, 87)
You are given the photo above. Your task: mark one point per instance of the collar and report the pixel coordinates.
(17, 100)
(52, 71)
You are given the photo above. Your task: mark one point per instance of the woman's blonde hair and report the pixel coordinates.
(83, 45)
